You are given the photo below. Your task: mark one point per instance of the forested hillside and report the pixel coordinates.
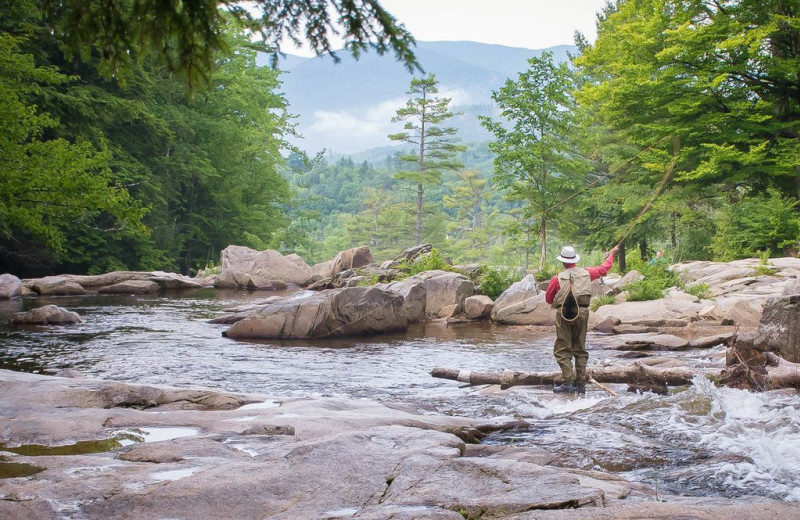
(677, 129)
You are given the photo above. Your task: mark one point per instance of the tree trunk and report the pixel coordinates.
(543, 248)
(418, 225)
(635, 373)
(622, 264)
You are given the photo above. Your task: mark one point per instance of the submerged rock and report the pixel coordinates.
(47, 315)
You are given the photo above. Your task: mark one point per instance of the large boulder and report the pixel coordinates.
(235, 280)
(779, 328)
(444, 288)
(743, 312)
(408, 255)
(530, 311)
(344, 261)
(340, 312)
(10, 286)
(478, 307)
(47, 315)
(523, 304)
(414, 296)
(268, 265)
(352, 259)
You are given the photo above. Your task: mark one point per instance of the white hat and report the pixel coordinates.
(568, 255)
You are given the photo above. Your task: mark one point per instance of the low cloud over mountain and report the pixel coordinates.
(348, 107)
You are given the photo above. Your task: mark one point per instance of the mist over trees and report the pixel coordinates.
(122, 153)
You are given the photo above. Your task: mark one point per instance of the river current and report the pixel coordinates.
(701, 440)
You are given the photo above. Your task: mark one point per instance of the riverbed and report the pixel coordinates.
(701, 440)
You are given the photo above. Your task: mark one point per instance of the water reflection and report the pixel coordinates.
(701, 440)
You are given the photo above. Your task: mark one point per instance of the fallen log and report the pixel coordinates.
(635, 373)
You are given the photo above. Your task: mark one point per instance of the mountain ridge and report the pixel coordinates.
(347, 106)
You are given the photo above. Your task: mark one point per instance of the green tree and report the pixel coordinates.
(49, 186)
(718, 76)
(189, 35)
(472, 228)
(536, 162)
(436, 146)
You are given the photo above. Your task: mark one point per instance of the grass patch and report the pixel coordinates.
(599, 301)
(656, 278)
(495, 280)
(700, 290)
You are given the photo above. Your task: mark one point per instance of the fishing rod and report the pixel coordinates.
(676, 148)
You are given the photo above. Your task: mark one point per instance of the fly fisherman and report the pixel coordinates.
(569, 293)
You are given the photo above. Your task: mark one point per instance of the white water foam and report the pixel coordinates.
(761, 428)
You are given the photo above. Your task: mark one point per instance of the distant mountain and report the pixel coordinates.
(347, 107)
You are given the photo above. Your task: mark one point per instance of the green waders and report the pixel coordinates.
(571, 342)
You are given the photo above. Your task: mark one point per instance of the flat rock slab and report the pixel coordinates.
(252, 457)
(650, 341)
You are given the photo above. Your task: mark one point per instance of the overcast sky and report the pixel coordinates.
(530, 24)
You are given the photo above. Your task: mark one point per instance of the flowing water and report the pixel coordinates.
(699, 440)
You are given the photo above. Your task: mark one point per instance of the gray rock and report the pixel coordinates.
(607, 325)
(531, 311)
(523, 304)
(268, 265)
(478, 307)
(10, 286)
(131, 287)
(47, 315)
(414, 297)
(341, 312)
(443, 288)
(629, 312)
(779, 328)
(56, 286)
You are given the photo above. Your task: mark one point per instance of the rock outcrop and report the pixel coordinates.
(296, 458)
(778, 330)
(266, 265)
(340, 312)
(72, 285)
(478, 307)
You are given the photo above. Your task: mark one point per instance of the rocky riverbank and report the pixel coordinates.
(97, 449)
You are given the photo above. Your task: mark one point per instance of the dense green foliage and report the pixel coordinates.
(140, 135)
(188, 36)
(494, 281)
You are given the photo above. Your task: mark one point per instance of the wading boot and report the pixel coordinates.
(564, 388)
(580, 388)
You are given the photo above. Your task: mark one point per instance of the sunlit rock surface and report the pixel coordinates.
(252, 457)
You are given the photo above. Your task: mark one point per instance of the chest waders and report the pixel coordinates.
(571, 324)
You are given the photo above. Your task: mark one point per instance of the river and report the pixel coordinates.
(702, 440)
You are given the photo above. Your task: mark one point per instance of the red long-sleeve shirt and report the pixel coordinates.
(594, 274)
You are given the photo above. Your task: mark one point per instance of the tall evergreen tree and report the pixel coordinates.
(436, 146)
